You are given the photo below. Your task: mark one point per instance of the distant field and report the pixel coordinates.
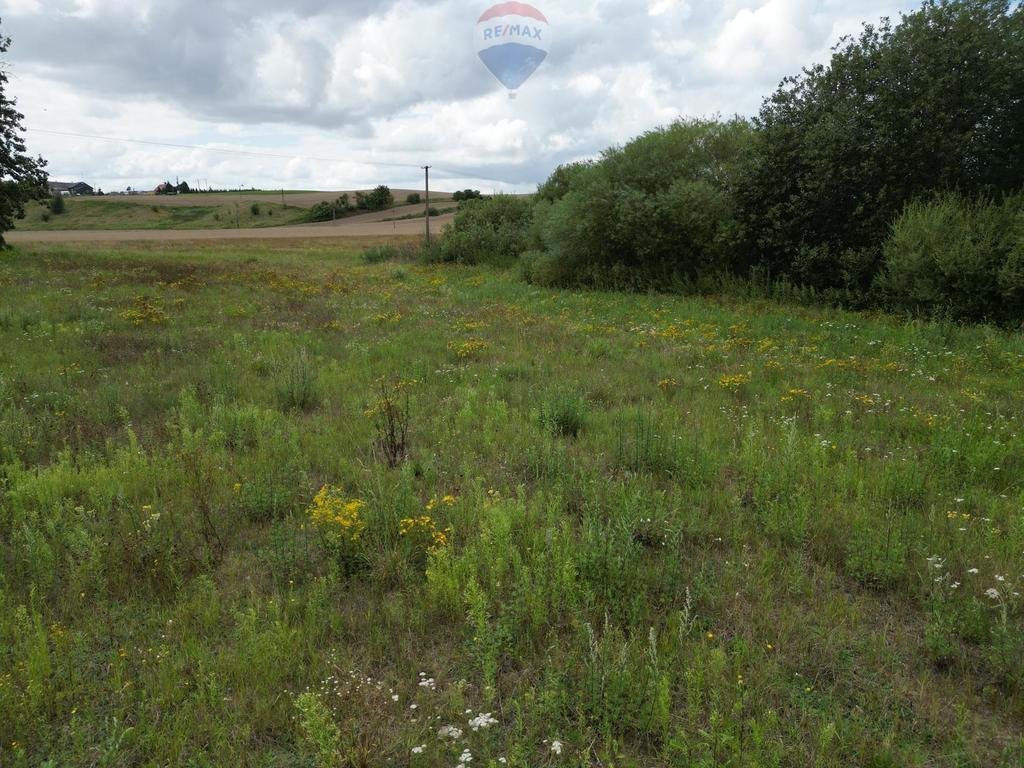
(302, 199)
(120, 214)
(198, 211)
(266, 504)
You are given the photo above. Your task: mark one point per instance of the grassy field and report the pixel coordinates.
(273, 506)
(114, 214)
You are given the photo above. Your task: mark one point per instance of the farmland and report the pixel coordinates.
(195, 211)
(269, 504)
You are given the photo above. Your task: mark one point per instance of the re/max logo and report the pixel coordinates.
(512, 30)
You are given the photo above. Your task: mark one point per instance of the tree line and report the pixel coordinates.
(891, 176)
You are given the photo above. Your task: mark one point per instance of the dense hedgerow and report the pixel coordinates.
(959, 258)
(807, 195)
(656, 210)
(902, 111)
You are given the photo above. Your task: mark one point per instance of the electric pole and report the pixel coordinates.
(426, 170)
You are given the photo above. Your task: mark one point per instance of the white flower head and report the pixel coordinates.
(484, 720)
(556, 747)
(993, 593)
(449, 732)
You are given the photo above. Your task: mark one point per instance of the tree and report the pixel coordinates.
(658, 209)
(932, 103)
(22, 178)
(414, 199)
(57, 205)
(183, 188)
(379, 199)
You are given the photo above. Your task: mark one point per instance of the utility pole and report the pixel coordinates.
(426, 170)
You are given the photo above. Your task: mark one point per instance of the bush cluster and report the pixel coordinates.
(855, 183)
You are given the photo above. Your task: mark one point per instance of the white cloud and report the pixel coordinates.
(380, 82)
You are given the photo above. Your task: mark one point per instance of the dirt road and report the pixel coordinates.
(356, 226)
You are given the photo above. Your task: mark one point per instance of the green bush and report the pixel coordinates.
(957, 258)
(377, 199)
(842, 148)
(652, 212)
(254, 209)
(57, 205)
(414, 199)
(493, 231)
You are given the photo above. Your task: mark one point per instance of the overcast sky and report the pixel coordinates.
(349, 91)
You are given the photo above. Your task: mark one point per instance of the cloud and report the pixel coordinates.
(386, 81)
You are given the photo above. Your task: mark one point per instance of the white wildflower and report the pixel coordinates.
(465, 757)
(449, 732)
(556, 747)
(993, 593)
(483, 720)
(419, 750)
(972, 570)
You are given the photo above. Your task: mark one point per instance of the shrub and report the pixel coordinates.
(843, 148)
(57, 205)
(414, 199)
(375, 200)
(957, 258)
(493, 231)
(254, 209)
(657, 210)
(46, 216)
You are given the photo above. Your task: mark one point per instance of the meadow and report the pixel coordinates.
(273, 505)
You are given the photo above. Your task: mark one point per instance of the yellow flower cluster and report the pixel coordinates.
(144, 311)
(425, 529)
(733, 382)
(467, 349)
(332, 512)
(668, 386)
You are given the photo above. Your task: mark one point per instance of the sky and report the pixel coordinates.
(353, 93)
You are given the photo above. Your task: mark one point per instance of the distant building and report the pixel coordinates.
(70, 188)
(166, 188)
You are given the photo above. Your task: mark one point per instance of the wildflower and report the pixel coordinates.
(449, 732)
(428, 683)
(1000, 578)
(448, 500)
(419, 750)
(465, 757)
(733, 382)
(556, 747)
(992, 593)
(331, 512)
(711, 635)
(483, 721)
(972, 570)
(394, 697)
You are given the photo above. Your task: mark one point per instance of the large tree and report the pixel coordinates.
(22, 178)
(935, 102)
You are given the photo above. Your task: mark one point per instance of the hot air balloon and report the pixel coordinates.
(513, 39)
